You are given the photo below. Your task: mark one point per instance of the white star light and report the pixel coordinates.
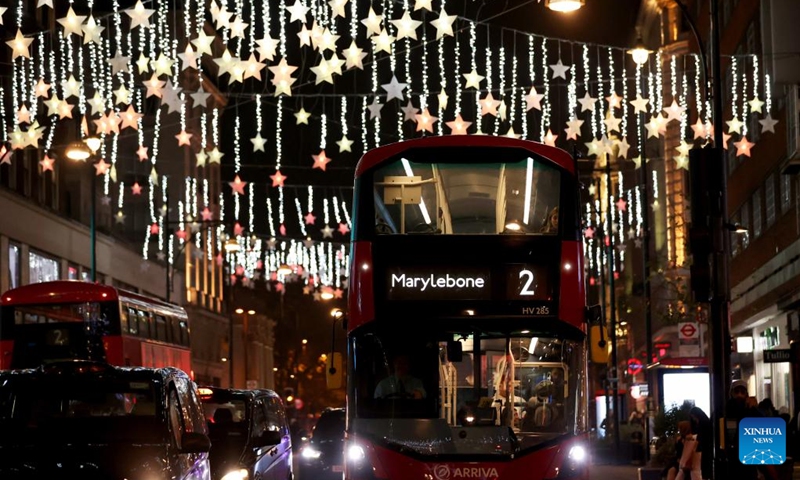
(394, 89)
(354, 56)
(443, 24)
(559, 70)
(373, 23)
(72, 23)
(140, 16)
(374, 108)
(473, 79)
(92, 31)
(298, 12)
(258, 143)
(406, 26)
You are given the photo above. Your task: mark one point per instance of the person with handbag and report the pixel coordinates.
(690, 462)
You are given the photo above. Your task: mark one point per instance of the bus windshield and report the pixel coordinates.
(423, 391)
(467, 198)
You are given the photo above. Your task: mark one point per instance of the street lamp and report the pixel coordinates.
(232, 246)
(81, 152)
(285, 269)
(564, 5)
(639, 53)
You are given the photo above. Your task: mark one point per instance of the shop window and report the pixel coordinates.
(73, 272)
(769, 205)
(42, 268)
(770, 338)
(757, 214)
(13, 265)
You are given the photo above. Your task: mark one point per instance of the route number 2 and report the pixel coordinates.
(528, 276)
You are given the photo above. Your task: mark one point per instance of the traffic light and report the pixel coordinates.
(288, 396)
(705, 176)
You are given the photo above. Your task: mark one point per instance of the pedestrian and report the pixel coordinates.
(690, 463)
(672, 469)
(703, 429)
(740, 406)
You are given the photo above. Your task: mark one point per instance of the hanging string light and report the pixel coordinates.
(546, 78)
(599, 112)
(745, 103)
(586, 79)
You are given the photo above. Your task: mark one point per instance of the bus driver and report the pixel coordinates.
(402, 384)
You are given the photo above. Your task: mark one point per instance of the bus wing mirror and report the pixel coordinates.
(334, 374)
(594, 314)
(454, 351)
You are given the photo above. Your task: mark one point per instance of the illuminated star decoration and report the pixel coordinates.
(72, 23)
(743, 146)
(443, 24)
(587, 102)
(47, 163)
(425, 121)
(321, 160)
(92, 32)
(473, 79)
(310, 218)
(559, 70)
(101, 167)
(184, 138)
(343, 229)
(640, 104)
(136, 189)
(768, 124)
(573, 129)
(278, 179)
(622, 205)
(374, 108)
(118, 63)
(43, 88)
(258, 142)
(406, 27)
(550, 139)
(140, 16)
(19, 46)
(238, 185)
(354, 56)
(533, 99)
(302, 116)
(282, 79)
(298, 12)
(489, 105)
(394, 89)
(141, 152)
(458, 126)
(409, 112)
(373, 23)
(345, 144)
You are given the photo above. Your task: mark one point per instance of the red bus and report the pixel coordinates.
(51, 321)
(467, 319)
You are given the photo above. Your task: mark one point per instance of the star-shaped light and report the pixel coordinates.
(458, 126)
(23, 115)
(622, 205)
(374, 108)
(623, 148)
(653, 127)
(42, 88)
(595, 147)
(550, 139)
(756, 104)
(92, 32)
(725, 139)
(238, 185)
(72, 23)
(207, 215)
(321, 160)
(394, 89)
(587, 102)
(141, 153)
(140, 16)
(201, 158)
(302, 116)
(373, 23)
(383, 42)
(310, 218)
(130, 118)
(171, 97)
(323, 71)
(258, 142)
(640, 104)
(681, 161)
(612, 123)
(65, 110)
(573, 129)
(267, 47)
(184, 138)
(47, 163)
(337, 7)
(409, 112)
(768, 124)
(489, 105)
(282, 79)
(278, 179)
(674, 111)
(425, 121)
(406, 26)
(238, 27)
(327, 232)
(442, 98)
(743, 146)
(473, 79)
(326, 41)
(252, 68)
(71, 87)
(101, 167)
(426, 4)
(699, 129)
(345, 144)
(354, 56)
(215, 156)
(154, 86)
(136, 189)
(19, 45)
(188, 58)
(343, 229)
(119, 64)
(53, 105)
(122, 95)
(637, 161)
(443, 24)
(226, 62)
(735, 125)
(559, 70)
(200, 98)
(614, 101)
(3, 10)
(533, 100)
(683, 148)
(202, 43)
(143, 63)
(298, 12)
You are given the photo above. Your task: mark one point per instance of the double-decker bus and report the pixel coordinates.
(467, 319)
(52, 321)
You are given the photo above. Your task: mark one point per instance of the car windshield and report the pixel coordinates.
(44, 409)
(436, 195)
(329, 427)
(408, 388)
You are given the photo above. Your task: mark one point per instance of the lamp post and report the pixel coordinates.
(564, 6)
(81, 152)
(231, 246)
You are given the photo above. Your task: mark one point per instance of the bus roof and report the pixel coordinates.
(75, 291)
(378, 155)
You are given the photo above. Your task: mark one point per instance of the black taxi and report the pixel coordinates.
(250, 438)
(90, 420)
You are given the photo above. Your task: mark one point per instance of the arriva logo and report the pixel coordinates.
(445, 472)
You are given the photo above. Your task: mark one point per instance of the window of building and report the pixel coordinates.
(735, 244)
(757, 214)
(14, 269)
(42, 268)
(786, 192)
(769, 200)
(73, 272)
(746, 224)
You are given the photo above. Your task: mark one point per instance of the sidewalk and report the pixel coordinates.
(614, 472)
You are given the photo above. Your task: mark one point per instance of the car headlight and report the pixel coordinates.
(356, 453)
(310, 453)
(577, 454)
(240, 474)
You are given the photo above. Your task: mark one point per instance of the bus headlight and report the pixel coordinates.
(310, 453)
(356, 453)
(577, 454)
(240, 474)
